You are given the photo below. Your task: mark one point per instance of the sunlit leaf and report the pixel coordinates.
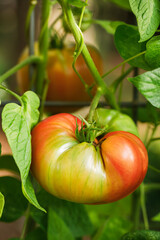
(17, 122)
(149, 85)
(148, 17)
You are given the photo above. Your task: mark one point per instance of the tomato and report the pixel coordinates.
(115, 120)
(104, 171)
(64, 84)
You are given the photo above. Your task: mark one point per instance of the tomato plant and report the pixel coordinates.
(103, 171)
(72, 176)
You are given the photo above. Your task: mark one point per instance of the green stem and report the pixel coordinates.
(94, 104)
(29, 60)
(135, 210)
(110, 97)
(82, 13)
(153, 132)
(12, 93)
(154, 169)
(43, 47)
(143, 206)
(25, 226)
(120, 64)
(116, 83)
(33, 3)
(151, 186)
(43, 98)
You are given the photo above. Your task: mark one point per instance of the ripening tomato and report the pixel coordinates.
(104, 171)
(64, 84)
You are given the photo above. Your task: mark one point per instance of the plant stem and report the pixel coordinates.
(25, 226)
(110, 97)
(82, 13)
(116, 83)
(120, 64)
(153, 132)
(12, 93)
(135, 211)
(151, 186)
(94, 104)
(143, 206)
(43, 47)
(33, 3)
(154, 169)
(29, 60)
(43, 98)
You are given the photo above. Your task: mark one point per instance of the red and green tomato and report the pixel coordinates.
(104, 171)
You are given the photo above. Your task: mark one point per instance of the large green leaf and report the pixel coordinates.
(15, 202)
(74, 215)
(99, 213)
(113, 229)
(1, 203)
(148, 17)
(142, 235)
(17, 122)
(149, 85)
(126, 41)
(57, 229)
(109, 26)
(152, 54)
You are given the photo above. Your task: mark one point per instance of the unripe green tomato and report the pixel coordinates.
(104, 171)
(115, 121)
(152, 54)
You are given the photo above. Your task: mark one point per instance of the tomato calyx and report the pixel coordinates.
(89, 132)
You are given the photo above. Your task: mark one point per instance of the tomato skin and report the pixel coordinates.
(82, 172)
(64, 84)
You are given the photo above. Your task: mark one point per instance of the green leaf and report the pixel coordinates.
(126, 41)
(122, 3)
(15, 202)
(99, 213)
(57, 227)
(142, 235)
(1, 203)
(113, 229)
(148, 18)
(74, 215)
(8, 162)
(37, 234)
(149, 85)
(152, 54)
(109, 26)
(17, 122)
(156, 218)
(77, 3)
